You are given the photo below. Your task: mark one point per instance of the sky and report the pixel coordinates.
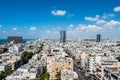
(82, 19)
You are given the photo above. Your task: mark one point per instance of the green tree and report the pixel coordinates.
(58, 75)
(118, 58)
(26, 56)
(78, 62)
(118, 44)
(45, 76)
(105, 54)
(44, 69)
(5, 73)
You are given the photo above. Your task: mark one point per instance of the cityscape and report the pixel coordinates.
(59, 40)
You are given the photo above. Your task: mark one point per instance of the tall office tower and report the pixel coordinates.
(16, 39)
(62, 36)
(98, 38)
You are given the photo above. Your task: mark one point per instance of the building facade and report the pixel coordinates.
(98, 38)
(16, 39)
(62, 36)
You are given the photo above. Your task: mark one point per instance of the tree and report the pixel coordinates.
(118, 44)
(118, 58)
(5, 73)
(44, 69)
(26, 56)
(45, 76)
(105, 54)
(58, 75)
(78, 62)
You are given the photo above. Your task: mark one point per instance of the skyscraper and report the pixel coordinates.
(16, 39)
(62, 36)
(98, 38)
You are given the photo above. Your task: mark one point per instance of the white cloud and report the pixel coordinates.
(82, 31)
(100, 22)
(56, 28)
(56, 32)
(112, 23)
(58, 12)
(117, 9)
(71, 25)
(90, 28)
(105, 16)
(14, 29)
(92, 18)
(33, 28)
(111, 15)
(50, 34)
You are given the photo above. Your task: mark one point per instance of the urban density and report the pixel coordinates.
(59, 39)
(88, 59)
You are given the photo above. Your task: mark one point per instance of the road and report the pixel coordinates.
(81, 75)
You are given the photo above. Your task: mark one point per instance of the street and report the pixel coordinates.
(81, 75)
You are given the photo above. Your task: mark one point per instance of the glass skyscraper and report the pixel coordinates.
(62, 36)
(98, 39)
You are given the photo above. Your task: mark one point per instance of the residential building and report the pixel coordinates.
(83, 59)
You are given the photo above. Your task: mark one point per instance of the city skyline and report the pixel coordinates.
(81, 19)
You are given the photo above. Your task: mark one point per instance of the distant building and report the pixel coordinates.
(62, 36)
(16, 39)
(98, 38)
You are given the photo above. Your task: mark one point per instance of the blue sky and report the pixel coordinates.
(45, 18)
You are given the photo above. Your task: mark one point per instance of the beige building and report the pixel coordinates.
(83, 59)
(55, 65)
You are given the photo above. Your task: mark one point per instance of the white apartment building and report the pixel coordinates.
(83, 59)
(68, 75)
(15, 48)
(93, 59)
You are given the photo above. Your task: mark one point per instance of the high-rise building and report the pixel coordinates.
(62, 36)
(98, 38)
(16, 39)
